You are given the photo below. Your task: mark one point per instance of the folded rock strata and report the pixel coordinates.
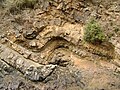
(31, 70)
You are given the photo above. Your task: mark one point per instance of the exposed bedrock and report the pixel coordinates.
(30, 69)
(42, 47)
(71, 36)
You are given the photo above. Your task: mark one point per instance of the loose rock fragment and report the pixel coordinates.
(30, 34)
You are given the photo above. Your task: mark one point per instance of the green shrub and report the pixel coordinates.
(93, 33)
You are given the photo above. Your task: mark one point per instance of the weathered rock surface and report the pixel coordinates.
(42, 48)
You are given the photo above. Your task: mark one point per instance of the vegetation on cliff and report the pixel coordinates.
(93, 33)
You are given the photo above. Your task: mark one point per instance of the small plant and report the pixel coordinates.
(93, 33)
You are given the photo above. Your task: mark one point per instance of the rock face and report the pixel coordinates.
(42, 48)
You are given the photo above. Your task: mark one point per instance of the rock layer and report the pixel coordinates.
(42, 47)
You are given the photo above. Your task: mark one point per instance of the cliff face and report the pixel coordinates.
(42, 45)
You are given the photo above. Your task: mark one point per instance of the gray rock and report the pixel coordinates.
(40, 73)
(30, 34)
(33, 74)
